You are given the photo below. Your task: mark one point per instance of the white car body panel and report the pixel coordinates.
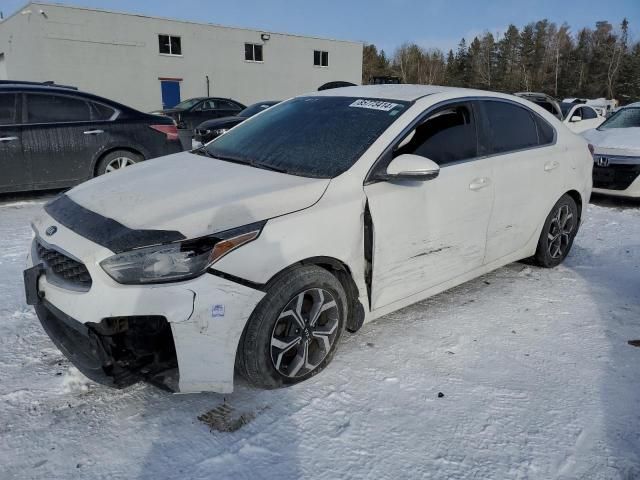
(443, 236)
(427, 237)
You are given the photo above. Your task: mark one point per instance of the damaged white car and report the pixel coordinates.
(255, 253)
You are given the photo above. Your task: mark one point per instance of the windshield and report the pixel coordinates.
(309, 136)
(251, 110)
(624, 118)
(187, 103)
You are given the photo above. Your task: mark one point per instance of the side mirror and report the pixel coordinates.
(576, 118)
(412, 167)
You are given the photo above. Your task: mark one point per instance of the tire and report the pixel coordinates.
(558, 233)
(272, 349)
(117, 160)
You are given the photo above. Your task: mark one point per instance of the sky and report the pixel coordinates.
(385, 23)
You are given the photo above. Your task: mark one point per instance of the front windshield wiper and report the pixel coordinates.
(240, 161)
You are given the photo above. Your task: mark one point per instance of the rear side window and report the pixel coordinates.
(7, 109)
(546, 133)
(56, 109)
(102, 112)
(588, 113)
(448, 135)
(508, 127)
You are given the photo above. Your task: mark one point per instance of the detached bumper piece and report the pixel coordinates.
(118, 351)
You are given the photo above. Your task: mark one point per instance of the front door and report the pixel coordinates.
(170, 93)
(428, 232)
(16, 171)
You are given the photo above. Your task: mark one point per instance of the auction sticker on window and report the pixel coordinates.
(374, 105)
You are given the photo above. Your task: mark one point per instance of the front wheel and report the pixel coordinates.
(558, 233)
(294, 331)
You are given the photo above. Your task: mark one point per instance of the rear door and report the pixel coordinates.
(60, 138)
(428, 232)
(527, 171)
(15, 167)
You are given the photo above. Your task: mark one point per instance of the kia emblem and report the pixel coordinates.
(602, 161)
(51, 230)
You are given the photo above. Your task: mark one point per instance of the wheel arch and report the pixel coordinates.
(578, 199)
(106, 151)
(338, 268)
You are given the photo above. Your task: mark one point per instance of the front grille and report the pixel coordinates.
(64, 267)
(615, 176)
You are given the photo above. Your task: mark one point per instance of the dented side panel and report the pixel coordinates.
(206, 343)
(426, 233)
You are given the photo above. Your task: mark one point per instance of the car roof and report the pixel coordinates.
(48, 88)
(404, 92)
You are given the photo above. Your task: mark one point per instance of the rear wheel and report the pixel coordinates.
(294, 331)
(558, 233)
(117, 160)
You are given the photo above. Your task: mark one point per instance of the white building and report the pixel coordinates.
(145, 61)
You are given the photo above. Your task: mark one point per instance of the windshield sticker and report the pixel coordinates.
(374, 105)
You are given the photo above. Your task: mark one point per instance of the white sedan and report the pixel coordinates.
(579, 117)
(255, 253)
(616, 146)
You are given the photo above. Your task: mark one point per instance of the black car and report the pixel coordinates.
(56, 137)
(194, 111)
(207, 131)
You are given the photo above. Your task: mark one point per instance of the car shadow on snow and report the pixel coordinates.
(615, 290)
(620, 203)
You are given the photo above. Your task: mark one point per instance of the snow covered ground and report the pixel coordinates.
(538, 380)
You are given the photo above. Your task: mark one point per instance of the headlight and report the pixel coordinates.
(179, 260)
(219, 131)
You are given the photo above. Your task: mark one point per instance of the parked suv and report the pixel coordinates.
(56, 137)
(191, 113)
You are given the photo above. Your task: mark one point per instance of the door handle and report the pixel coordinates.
(93, 132)
(7, 139)
(552, 165)
(479, 183)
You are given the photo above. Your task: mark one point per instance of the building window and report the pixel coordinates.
(320, 58)
(252, 52)
(170, 45)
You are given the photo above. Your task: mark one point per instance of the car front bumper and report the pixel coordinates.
(619, 177)
(204, 317)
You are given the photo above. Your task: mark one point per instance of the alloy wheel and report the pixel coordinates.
(560, 230)
(304, 333)
(118, 163)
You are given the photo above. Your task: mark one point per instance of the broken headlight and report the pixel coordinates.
(176, 261)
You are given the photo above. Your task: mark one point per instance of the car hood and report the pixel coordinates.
(195, 195)
(615, 141)
(220, 122)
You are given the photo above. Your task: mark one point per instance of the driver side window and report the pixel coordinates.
(446, 136)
